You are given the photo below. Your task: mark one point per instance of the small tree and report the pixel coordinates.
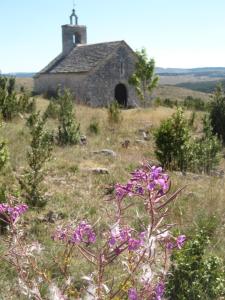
(40, 152)
(193, 274)
(114, 113)
(176, 150)
(10, 103)
(69, 129)
(172, 142)
(3, 153)
(52, 111)
(206, 149)
(144, 79)
(217, 113)
(8, 100)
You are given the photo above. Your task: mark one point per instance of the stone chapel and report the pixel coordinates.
(96, 74)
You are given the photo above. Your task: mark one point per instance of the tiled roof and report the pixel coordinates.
(82, 58)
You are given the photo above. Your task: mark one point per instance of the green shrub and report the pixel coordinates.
(158, 101)
(39, 153)
(4, 155)
(114, 113)
(193, 274)
(69, 129)
(194, 103)
(188, 103)
(8, 105)
(12, 104)
(52, 111)
(206, 150)
(172, 142)
(191, 120)
(217, 113)
(3, 159)
(26, 104)
(176, 150)
(168, 102)
(94, 127)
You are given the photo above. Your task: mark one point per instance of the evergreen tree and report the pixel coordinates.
(69, 129)
(217, 113)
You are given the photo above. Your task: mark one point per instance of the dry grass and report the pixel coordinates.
(69, 170)
(27, 83)
(173, 80)
(178, 93)
(75, 191)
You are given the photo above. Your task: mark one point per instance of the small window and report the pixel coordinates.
(122, 69)
(73, 20)
(76, 38)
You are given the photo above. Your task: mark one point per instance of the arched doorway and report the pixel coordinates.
(121, 94)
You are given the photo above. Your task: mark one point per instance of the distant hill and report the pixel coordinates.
(207, 72)
(201, 86)
(20, 75)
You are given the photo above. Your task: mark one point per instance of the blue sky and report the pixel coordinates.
(176, 33)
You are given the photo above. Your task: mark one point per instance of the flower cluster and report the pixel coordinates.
(142, 250)
(144, 180)
(179, 243)
(156, 293)
(10, 214)
(159, 290)
(82, 233)
(132, 294)
(122, 238)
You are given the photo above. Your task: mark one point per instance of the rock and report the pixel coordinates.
(52, 217)
(142, 142)
(100, 171)
(125, 144)
(83, 140)
(222, 173)
(217, 173)
(146, 136)
(141, 130)
(106, 152)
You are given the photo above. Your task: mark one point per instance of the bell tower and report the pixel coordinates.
(73, 34)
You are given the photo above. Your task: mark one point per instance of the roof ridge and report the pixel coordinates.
(94, 44)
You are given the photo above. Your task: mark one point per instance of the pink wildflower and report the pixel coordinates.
(125, 236)
(83, 233)
(180, 241)
(159, 290)
(12, 213)
(132, 294)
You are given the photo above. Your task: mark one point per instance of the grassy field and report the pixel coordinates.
(203, 86)
(74, 191)
(27, 83)
(178, 93)
(173, 80)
